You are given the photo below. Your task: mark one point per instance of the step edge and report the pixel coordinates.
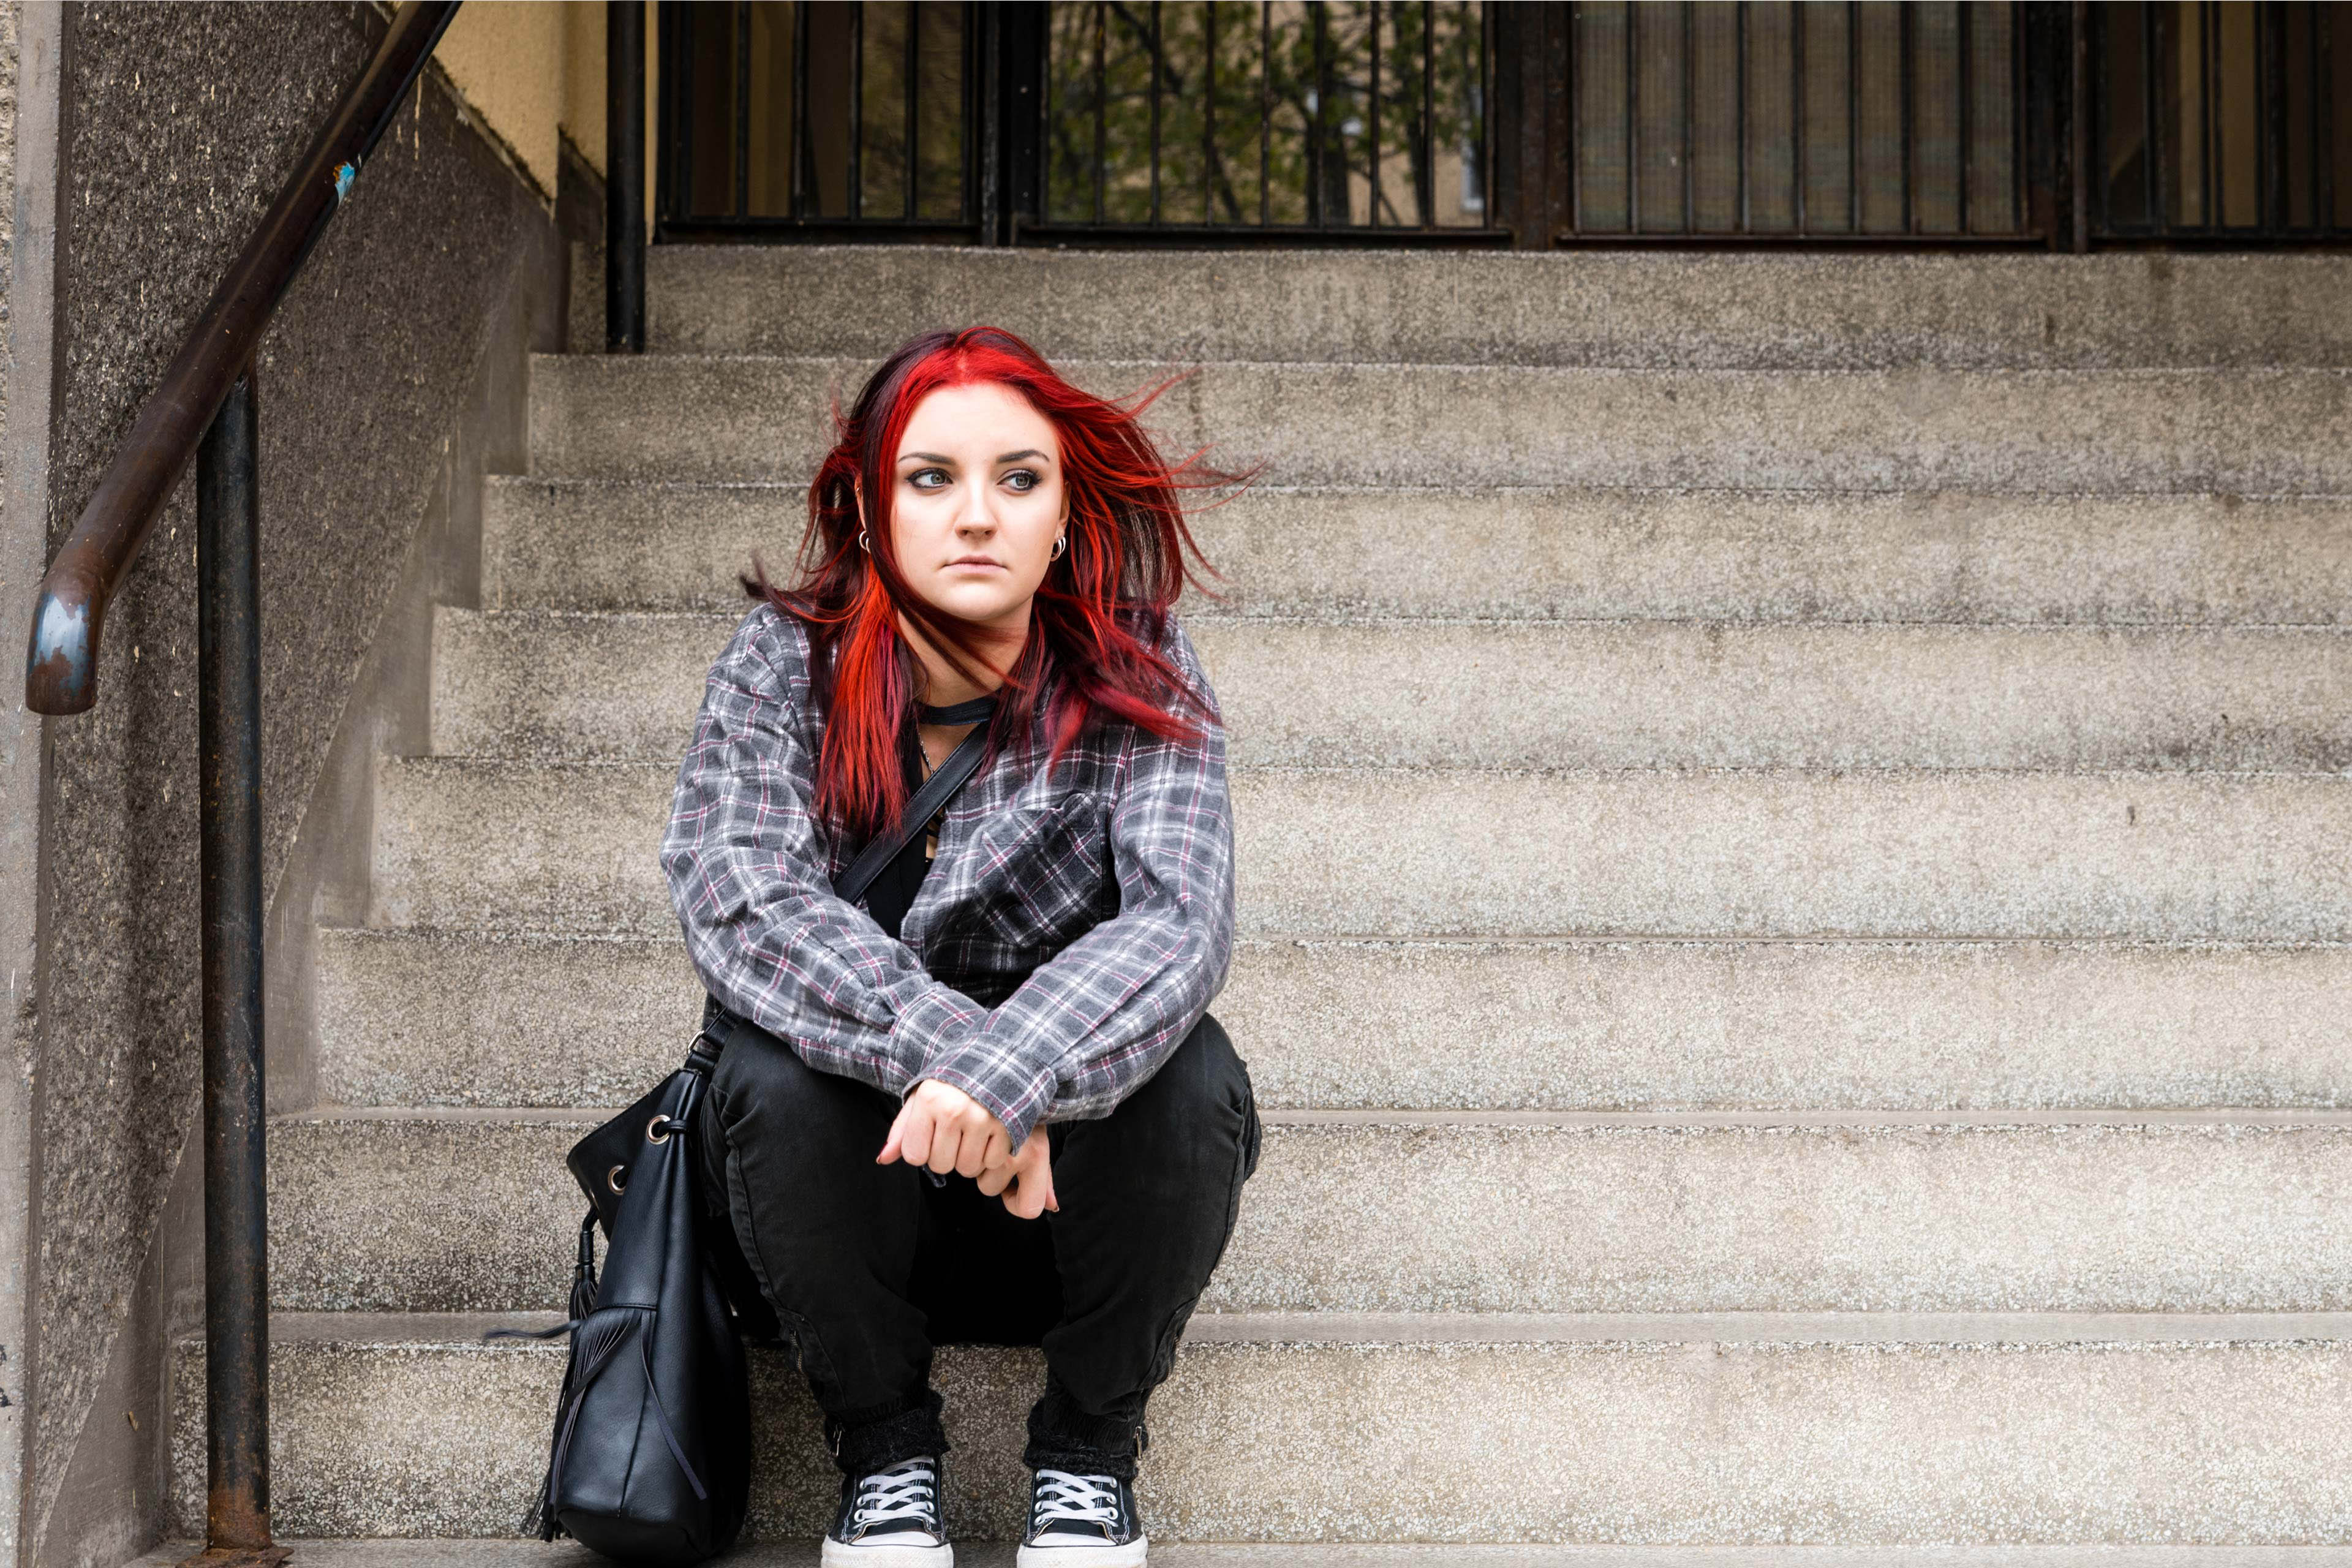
(454, 1330)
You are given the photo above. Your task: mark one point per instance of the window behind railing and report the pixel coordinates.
(1330, 118)
(1349, 115)
(2222, 121)
(1928, 123)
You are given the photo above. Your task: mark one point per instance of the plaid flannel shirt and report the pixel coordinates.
(1071, 931)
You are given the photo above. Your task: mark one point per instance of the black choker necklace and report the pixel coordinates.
(971, 712)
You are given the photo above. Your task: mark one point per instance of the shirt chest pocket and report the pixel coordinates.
(1042, 874)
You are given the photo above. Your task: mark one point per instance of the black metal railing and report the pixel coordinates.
(818, 119)
(2221, 121)
(204, 406)
(1762, 123)
(1301, 120)
(1298, 120)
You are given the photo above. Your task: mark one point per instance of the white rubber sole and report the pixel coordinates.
(1128, 1557)
(836, 1556)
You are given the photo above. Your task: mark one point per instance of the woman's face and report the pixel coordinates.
(977, 503)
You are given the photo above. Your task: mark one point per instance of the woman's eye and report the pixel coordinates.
(928, 478)
(1023, 480)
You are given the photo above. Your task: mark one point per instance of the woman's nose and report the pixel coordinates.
(974, 513)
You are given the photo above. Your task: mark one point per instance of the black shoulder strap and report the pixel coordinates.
(952, 776)
(960, 766)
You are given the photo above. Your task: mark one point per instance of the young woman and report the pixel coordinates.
(989, 1104)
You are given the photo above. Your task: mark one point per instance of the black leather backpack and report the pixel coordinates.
(651, 1459)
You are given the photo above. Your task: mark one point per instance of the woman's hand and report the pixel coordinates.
(1026, 1180)
(943, 1127)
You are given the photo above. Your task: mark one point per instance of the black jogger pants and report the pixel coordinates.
(870, 1266)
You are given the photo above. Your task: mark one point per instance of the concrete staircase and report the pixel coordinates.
(1793, 872)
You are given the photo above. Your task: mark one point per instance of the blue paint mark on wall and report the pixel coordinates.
(344, 174)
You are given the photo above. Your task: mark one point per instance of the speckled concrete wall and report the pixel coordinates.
(178, 121)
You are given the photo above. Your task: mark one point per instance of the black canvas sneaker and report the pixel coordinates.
(1082, 1522)
(890, 1518)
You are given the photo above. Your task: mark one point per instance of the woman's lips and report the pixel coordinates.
(980, 562)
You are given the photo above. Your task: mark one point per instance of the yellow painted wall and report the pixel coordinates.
(534, 71)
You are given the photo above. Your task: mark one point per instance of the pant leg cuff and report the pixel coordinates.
(1062, 1437)
(865, 1441)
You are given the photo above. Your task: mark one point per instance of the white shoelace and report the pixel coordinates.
(1088, 1499)
(902, 1491)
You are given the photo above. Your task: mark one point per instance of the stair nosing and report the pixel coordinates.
(1505, 1328)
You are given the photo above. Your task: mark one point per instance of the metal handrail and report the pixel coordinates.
(62, 664)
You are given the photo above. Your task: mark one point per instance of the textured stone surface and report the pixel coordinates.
(1578, 695)
(1923, 555)
(620, 416)
(801, 1551)
(1666, 1213)
(1362, 852)
(1584, 306)
(489, 1019)
(2185, 1442)
(180, 122)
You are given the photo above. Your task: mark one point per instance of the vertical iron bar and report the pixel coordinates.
(1266, 114)
(2079, 126)
(741, 119)
(914, 130)
(236, 1218)
(1690, 79)
(1155, 110)
(1905, 110)
(1739, 108)
(2159, 212)
(1426, 212)
(625, 184)
(2270, 30)
(1854, 116)
(1797, 109)
(1209, 114)
(2322, 110)
(1963, 12)
(1574, 126)
(1319, 210)
(2017, 101)
(669, 165)
(803, 156)
(1102, 92)
(2207, 26)
(1373, 201)
(982, 111)
(1633, 117)
(857, 110)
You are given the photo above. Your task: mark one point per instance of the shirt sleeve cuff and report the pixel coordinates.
(937, 1023)
(1016, 1096)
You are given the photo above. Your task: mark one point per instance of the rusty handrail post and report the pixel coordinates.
(62, 664)
(236, 1214)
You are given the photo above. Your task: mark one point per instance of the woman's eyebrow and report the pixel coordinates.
(1025, 452)
(923, 457)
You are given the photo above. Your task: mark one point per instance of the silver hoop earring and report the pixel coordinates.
(1060, 542)
(861, 540)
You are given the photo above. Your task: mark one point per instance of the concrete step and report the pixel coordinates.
(2206, 1434)
(1823, 311)
(470, 844)
(800, 1551)
(1553, 694)
(2266, 430)
(1531, 553)
(1394, 1211)
(482, 1019)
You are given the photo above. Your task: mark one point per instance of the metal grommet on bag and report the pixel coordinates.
(657, 1130)
(618, 1178)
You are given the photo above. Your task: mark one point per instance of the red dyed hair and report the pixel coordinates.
(1094, 625)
